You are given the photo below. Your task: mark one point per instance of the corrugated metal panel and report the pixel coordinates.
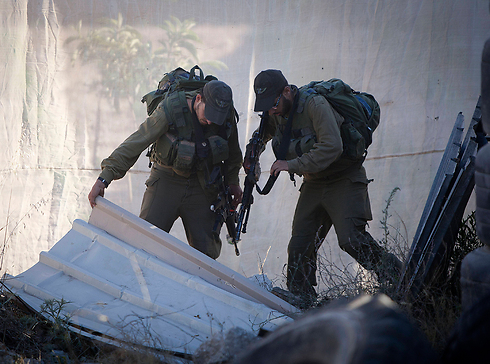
(444, 209)
(130, 281)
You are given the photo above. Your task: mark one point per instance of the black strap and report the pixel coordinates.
(286, 136)
(202, 147)
(283, 148)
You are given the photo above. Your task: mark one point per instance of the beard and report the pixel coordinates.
(285, 109)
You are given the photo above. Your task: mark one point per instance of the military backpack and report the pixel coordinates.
(360, 110)
(176, 80)
(172, 82)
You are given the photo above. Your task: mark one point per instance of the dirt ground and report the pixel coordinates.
(27, 337)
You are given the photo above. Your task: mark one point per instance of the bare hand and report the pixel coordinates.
(236, 193)
(97, 190)
(279, 166)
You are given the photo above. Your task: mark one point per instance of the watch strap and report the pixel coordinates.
(106, 184)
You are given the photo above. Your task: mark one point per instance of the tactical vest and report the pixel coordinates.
(303, 138)
(302, 134)
(177, 147)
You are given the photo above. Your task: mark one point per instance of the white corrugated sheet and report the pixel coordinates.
(127, 280)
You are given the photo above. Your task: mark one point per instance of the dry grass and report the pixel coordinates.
(435, 310)
(25, 334)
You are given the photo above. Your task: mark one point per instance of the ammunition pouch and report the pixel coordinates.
(219, 149)
(165, 149)
(297, 147)
(185, 156)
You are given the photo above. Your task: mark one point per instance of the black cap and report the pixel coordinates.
(219, 99)
(268, 86)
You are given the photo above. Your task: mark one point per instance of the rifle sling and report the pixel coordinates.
(202, 147)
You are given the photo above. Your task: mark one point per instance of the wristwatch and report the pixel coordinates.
(103, 181)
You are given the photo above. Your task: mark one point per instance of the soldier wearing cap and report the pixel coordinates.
(193, 135)
(334, 190)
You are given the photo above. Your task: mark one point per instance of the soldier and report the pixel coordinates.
(334, 190)
(194, 136)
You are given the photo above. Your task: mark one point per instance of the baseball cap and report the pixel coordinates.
(267, 86)
(219, 99)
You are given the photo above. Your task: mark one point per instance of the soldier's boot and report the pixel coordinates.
(299, 284)
(301, 274)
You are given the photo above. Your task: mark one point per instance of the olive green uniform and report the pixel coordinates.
(178, 185)
(334, 191)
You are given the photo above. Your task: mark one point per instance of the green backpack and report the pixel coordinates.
(360, 110)
(176, 80)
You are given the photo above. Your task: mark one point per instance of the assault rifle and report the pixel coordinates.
(223, 208)
(256, 144)
(253, 154)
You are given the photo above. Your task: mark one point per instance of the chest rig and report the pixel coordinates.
(177, 147)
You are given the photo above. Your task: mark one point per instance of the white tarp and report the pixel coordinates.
(421, 59)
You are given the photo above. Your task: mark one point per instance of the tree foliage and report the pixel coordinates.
(126, 62)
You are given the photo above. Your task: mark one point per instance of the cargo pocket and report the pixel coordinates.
(151, 181)
(149, 195)
(361, 206)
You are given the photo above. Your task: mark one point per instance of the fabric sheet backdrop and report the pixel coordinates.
(60, 115)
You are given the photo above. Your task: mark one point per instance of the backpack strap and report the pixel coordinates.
(303, 96)
(192, 73)
(174, 103)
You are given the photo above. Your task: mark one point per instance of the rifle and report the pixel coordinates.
(256, 144)
(223, 208)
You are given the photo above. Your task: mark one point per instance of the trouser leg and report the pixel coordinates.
(161, 200)
(318, 241)
(350, 210)
(368, 253)
(309, 216)
(169, 196)
(199, 221)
